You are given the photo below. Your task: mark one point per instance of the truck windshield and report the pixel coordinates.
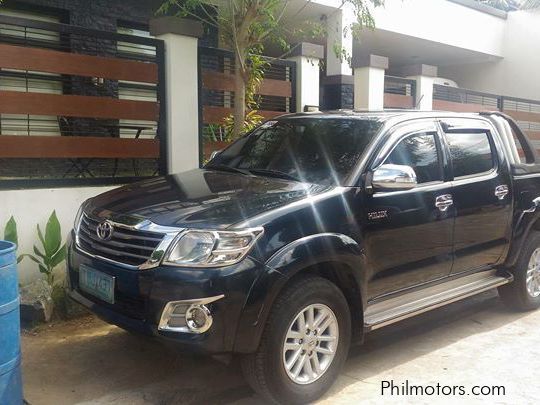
(313, 150)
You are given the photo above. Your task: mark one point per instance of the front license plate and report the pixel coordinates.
(96, 283)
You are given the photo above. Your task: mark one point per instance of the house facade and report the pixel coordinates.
(98, 94)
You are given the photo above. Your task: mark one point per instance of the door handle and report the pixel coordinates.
(501, 191)
(536, 204)
(444, 201)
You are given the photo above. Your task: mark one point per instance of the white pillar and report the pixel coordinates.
(182, 88)
(369, 71)
(338, 26)
(424, 75)
(307, 57)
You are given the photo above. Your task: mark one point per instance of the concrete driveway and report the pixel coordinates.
(477, 342)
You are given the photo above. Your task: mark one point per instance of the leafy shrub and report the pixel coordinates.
(52, 252)
(10, 234)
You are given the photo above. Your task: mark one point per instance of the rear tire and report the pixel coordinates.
(523, 294)
(315, 355)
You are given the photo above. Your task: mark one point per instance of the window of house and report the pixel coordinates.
(471, 153)
(420, 152)
(26, 81)
(135, 91)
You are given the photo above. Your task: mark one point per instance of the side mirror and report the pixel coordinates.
(393, 177)
(214, 154)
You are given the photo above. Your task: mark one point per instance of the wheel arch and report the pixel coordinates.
(528, 223)
(335, 257)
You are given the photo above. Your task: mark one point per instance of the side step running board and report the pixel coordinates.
(390, 310)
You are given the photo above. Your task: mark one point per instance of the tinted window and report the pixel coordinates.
(315, 150)
(471, 153)
(419, 152)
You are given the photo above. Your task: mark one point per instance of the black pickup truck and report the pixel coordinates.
(311, 231)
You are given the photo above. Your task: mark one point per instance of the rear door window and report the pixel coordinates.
(471, 152)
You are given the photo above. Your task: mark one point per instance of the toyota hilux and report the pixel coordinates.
(311, 231)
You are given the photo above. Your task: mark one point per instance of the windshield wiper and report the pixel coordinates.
(275, 173)
(226, 168)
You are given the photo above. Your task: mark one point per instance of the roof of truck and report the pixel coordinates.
(381, 114)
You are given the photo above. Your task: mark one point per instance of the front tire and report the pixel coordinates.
(304, 344)
(523, 294)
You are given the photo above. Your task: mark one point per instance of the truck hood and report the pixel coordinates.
(202, 198)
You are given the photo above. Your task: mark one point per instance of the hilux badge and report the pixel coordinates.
(378, 214)
(104, 230)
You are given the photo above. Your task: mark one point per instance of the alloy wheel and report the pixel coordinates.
(310, 344)
(533, 274)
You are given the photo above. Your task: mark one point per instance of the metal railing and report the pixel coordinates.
(399, 92)
(465, 96)
(525, 112)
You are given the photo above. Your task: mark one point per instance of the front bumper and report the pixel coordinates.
(141, 296)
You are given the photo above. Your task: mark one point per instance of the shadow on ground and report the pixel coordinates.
(88, 361)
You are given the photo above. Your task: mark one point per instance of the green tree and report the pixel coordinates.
(245, 26)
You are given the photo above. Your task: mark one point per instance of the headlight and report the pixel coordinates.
(211, 248)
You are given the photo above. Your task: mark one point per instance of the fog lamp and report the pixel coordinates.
(188, 316)
(198, 318)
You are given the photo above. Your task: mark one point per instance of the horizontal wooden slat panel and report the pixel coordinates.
(44, 60)
(523, 115)
(217, 81)
(13, 102)
(271, 87)
(77, 147)
(225, 82)
(398, 101)
(459, 107)
(210, 147)
(215, 115)
(533, 135)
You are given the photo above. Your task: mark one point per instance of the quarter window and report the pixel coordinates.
(419, 152)
(471, 153)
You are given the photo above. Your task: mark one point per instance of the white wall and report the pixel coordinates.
(30, 207)
(518, 74)
(440, 21)
(445, 22)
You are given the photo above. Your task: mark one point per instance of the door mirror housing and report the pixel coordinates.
(390, 177)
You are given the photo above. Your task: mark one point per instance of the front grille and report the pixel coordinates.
(132, 247)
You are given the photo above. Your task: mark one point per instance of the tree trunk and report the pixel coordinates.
(239, 99)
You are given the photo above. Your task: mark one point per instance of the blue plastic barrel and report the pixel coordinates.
(10, 346)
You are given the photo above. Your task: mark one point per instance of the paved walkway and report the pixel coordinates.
(477, 342)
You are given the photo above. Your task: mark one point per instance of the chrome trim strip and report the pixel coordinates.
(169, 308)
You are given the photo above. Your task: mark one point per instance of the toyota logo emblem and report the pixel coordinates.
(104, 230)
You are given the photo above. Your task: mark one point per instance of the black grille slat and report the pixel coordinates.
(126, 236)
(128, 246)
(115, 243)
(100, 247)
